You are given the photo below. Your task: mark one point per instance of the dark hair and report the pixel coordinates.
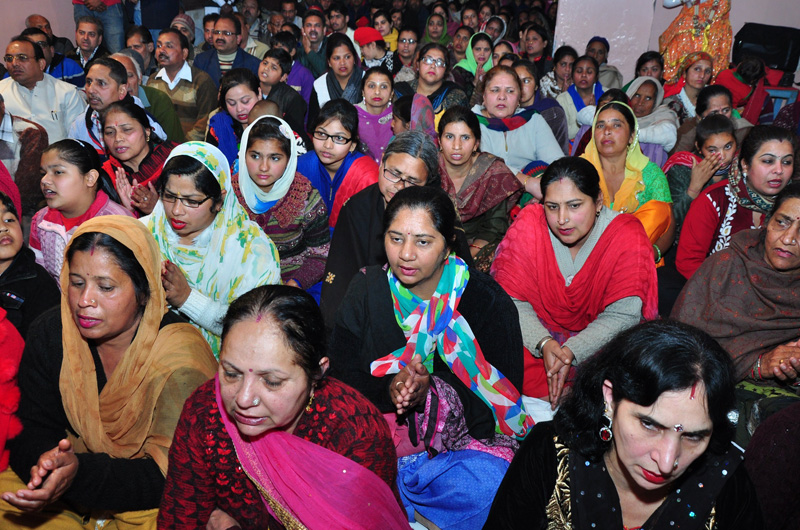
(38, 53)
(758, 136)
(564, 51)
(283, 58)
(27, 32)
(284, 38)
(465, 28)
(580, 171)
(486, 4)
(708, 92)
(340, 39)
(419, 145)
(181, 37)
(622, 109)
(443, 5)
(314, 12)
(116, 70)
(143, 32)
(642, 363)
(459, 114)
(501, 69)
(84, 156)
(342, 110)
(123, 257)
(294, 30)
(434, 200)
(88, 19)
(186, 166)
(479, 37)
(587, 58)
(409, 29)
(791, 191)
(380, 13)
(402, 108)
(435, 46)
(211, 17)
(294, 312)
(541, 31)
(645, 58)
(338, 7)
(381, 70)
(237, 25)
(614, 94)
(268, 129)
(236, 77)
(528, 66)
(6, 201)
(751, 69)
(711, 125)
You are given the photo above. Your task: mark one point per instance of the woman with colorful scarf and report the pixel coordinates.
(680, 93)
(282, 201)
(343, 78)
(583, 94)
(272, 441)
(764, 168)
(574, 282)
(469, 72)
(630, 182)
(517, 136)
(212, 252)
(103, 379)
(482, 186)
(413, 337)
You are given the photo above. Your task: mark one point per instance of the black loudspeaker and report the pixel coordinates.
(778, 46)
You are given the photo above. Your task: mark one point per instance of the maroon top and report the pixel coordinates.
(205, 474)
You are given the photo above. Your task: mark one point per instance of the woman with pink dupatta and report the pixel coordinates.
(271, 442)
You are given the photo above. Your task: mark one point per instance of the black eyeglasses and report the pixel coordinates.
(335, 138)
(170, 198)
(391, 177)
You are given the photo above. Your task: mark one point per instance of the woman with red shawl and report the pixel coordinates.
(578, 271)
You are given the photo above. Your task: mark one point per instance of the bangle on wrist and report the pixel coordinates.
(658, 253)
(475, 246)
(537, 351)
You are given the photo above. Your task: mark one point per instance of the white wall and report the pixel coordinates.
(58, 12)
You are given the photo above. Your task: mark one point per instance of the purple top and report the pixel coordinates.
(375, 131)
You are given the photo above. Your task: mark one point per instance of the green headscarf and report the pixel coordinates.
(444, 40)
(470, 64)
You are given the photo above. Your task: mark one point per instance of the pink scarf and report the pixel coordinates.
(304, 484)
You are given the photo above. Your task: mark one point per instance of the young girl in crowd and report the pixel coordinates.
(401, 114)
(136, 155)
(76, 189)
(584, 92)
(389, 33)
(559, 78)
(535, 41)
(468, 73)
(531, 97)
(239, 90)
(375, 112)
(337, 167)
(689, 174)
(281, 201)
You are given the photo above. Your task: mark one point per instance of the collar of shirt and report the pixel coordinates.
(184, 73)
(80, 56)
(7, 129)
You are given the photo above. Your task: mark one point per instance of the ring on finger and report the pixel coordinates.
(397, 384)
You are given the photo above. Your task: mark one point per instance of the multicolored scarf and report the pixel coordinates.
(508, 124)
(745, 195)
(436, 324)
(577, 100)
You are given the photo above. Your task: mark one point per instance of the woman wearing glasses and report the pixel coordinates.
(336, 166)
(212, 253)
(432, 67)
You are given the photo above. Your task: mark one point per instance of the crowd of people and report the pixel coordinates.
(391, 264)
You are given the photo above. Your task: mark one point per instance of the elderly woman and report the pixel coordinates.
(607, 75)
(271, 441)
(643, 441)
(205, 266)
(414, 338)
(763, 169)
(630, 182)
(103, 380)
(746, 296)
(575, 285)
(658, 124)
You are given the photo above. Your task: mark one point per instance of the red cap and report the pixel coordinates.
(362, 22)
(364, 36)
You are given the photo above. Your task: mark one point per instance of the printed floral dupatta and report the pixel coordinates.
(305, 486)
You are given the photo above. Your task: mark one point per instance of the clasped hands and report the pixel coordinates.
(50, 478)
(557, 362)
(409, 388)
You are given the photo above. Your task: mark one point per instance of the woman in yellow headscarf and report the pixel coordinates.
(103, 380)
(629, 181)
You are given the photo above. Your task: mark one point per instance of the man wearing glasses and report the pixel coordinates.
(226, 53)
(31, 94)
(57, 65)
